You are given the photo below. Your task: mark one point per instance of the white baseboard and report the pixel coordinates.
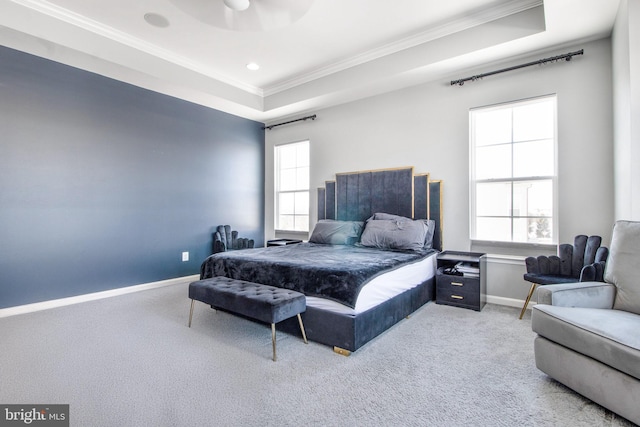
(510, 302)
(45, 305)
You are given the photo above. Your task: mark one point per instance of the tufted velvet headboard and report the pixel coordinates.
(356, 196)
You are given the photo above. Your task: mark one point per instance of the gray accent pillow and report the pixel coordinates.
(394, 234)
(622, 265)
(431, 229)
(431, 225)
(332, 232)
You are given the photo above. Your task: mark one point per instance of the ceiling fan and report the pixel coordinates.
(246, 15)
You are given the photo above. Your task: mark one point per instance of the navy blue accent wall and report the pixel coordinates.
(103, 184)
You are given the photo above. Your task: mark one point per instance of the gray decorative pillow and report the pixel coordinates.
(394, 234)
(431, 225)
(382, 216)
(336, 232)
(431, 229)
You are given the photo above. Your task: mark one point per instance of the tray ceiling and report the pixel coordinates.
(333, 52)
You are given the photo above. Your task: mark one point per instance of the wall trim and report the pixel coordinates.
(505, 259)
(45, 305)
(509, 302)
(61, 14)
(455, 26)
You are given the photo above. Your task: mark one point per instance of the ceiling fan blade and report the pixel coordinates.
(262, 15)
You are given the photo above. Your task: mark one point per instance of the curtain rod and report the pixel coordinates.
(290, 121)
(566, 56)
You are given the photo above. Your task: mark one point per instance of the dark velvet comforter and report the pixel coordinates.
(336, 272)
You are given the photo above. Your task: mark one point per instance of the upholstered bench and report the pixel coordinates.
(260, 302)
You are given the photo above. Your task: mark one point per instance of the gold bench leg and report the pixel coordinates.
(273, 335)
(191, 311)
(304, 335)
(273, 340)
(526, 303)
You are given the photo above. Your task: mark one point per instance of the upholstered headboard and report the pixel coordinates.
(356, 196)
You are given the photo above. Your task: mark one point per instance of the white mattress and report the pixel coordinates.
(382, 287)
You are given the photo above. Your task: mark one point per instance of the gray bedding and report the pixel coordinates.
(336, 272)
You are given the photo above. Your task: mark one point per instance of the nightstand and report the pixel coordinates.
(460, 279)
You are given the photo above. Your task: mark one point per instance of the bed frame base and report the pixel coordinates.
(348, 333)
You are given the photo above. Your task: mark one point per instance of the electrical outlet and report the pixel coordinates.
(185, 256)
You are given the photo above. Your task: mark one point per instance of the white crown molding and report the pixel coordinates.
(69, 17)
(487, 15)
(457, 25)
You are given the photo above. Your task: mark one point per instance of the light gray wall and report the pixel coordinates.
(426, 126)
(626, 95)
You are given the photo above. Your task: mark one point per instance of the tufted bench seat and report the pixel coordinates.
(260, 302)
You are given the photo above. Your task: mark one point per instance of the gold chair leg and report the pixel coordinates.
(526, 303)
(273, 340)
(304, 335)
(191, 312)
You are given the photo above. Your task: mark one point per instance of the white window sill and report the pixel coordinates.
(518, 249)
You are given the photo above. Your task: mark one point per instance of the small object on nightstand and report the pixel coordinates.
(283, 242)
(460, 279)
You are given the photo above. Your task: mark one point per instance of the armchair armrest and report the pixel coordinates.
(581, 294)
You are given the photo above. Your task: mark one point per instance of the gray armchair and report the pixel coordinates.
(584, 261)
(588, 332)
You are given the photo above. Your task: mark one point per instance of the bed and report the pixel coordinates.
(369, 263)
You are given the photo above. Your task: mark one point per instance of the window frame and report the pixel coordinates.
(277, 191)
(473, 181)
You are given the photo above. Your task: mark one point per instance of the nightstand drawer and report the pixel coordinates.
(457, 297)
(449, 283)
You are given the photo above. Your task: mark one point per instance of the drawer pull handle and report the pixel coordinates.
(456, 297)
(457, 284)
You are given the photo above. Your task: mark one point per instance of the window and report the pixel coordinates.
(513, 172)
(292, 187)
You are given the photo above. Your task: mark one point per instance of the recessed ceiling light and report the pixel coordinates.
(156, 20)
(253, 66)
